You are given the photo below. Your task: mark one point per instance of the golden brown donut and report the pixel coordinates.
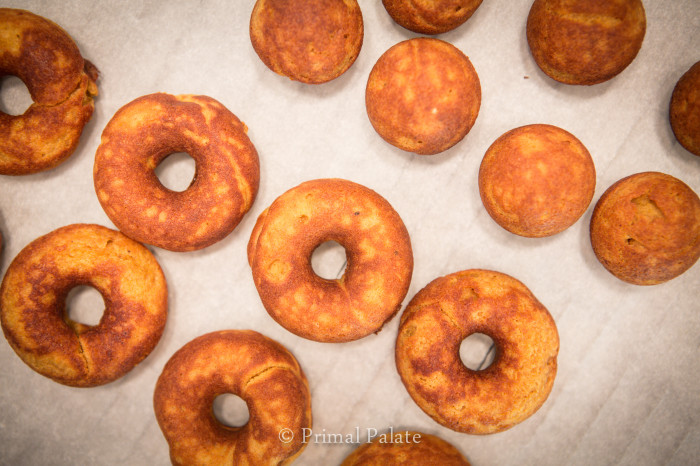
(536, 180)
(141, 135)
(311, 41)
(33, 304)
(243, 362)
(406, 448)
(585, 41)
(447, 311)
(378, 251)
(431, 16)
(684, 111)
(61, 84)
(645, 228)
(423, 95)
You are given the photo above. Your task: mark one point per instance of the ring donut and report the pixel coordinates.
(33, 304)
(378, 251)
(447, 311)
(61, 84)
(141, 135)
(405, 448)
(257, 369)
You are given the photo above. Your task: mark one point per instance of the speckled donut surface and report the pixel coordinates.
(406, 448)
(684, 111)
(431, 16)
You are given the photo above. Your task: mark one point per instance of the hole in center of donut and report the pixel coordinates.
(14, 96)
(176, 171)
(477, 351)
(329, 260)
(85, 305)
(231, 410)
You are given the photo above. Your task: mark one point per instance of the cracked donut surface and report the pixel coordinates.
(431, 16)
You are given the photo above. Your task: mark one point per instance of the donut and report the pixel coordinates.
(310, 41)
(257, 369)
(61, 84)
(645, 228)
(423, 96)
(431, 16)
(378, 251)
(142, 134)
(536, 180)
(447, 311)
(585, 42)
(406, 448)
(684, 112)
(33, 310)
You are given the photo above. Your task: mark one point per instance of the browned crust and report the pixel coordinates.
(453, 307)
(537, 180)
(585, 41)
(423, 95)
(645, 228)
(684, 112)
(62, 86)
(33, 314)
(311, 41)
(379, 260)
(145, 131)
(406, 448)
(243, 362)
(431, 16)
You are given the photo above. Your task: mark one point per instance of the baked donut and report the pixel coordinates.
(431, 16)
(141, 135)
(423, 95)
(257, 369)
(33, 304)
(311, 41)
(447, 311)
(406, 448)
(684, 112)
(61, 84)
(645, 228)
(378, 251)
(585, 41)
(536, 180)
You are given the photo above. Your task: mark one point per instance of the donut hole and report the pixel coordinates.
(230, 410)
(477, 351)
(177, 171)
(14, 96)
(329, 260)
(85, 305)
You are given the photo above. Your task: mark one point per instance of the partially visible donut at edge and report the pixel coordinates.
(431, 16)
(684, 111)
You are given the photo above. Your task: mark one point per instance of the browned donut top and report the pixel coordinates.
(645, 228)
(431, 16)
(585, 41)
(685, 110)
(312, 41)
(406, 448)
(423, 95)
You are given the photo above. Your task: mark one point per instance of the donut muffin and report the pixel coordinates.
(645, 228)
(684, 110)
(536, 180)
(431, 16)
(585, 41)
(311, 41)
(447, 311)
(406, 448)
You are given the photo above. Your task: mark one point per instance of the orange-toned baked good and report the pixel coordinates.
(141, 135)
(684, 112)
(33, 304)
(536, 180)
(311, 41)
(247, 364)
(378, 251)
(447, 311)
(423, 95)
(585, 41)
(61, 84)
(406, 448)
(645, 228)
(431, 16)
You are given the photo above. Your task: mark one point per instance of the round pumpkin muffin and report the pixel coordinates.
(406, 448)
(311, 41)
(431, 16)
(536, 180)
(685, 110)
(645, 228)
(585, 41)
